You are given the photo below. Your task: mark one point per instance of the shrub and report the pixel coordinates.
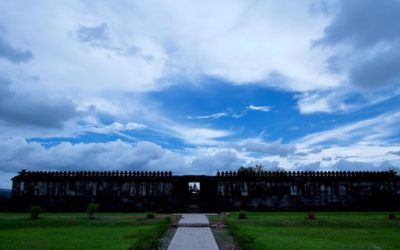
(311, 216)
(150, 215)
(392, 216)
(35, 211)
(91, 209)
(242, 215)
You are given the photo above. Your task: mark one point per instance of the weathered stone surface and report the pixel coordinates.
(193, 237)
(161, 191)
(193, 220)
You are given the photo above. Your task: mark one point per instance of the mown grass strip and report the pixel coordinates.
(75, 231)
(329, 230)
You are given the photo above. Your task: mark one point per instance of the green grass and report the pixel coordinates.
(330, 230)
(76, 231)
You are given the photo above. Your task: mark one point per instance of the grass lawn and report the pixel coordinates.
(329, 230)
(76, 231)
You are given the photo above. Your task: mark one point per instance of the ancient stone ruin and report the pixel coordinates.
(164, 192)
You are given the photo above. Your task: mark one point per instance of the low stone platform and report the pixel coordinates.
(194, 220)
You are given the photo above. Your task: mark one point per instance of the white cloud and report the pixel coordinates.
(260, 108)
(134, 47)
(116, 155)
(213, 116)
(115, 127)
(258, 146)
(199, 135)
(371, 130)
(234, 42)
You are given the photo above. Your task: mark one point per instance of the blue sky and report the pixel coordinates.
(197, 87)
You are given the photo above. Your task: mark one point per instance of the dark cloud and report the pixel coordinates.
(394, 153)
(363, 23)
(380, 70)
(12, 54)
(369, 31)
(29, 110)
(316, 151)
(95, 35)
(98, 36)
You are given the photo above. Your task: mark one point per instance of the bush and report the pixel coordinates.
(242, 215)
(35, 211)
(91, 209)
(392, 216)
(150, 215)
(311, 216)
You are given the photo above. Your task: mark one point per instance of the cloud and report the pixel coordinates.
(324, 102)
(376, 22)
(30, 110)
(95, 35)
(259, 108)
(394, 153)
(12, 54)
(98, 37)
(314, 166)
(193, 135)
(232, 114)
(257, 146)
(224, 160)
(344, 165)
(115, 127)
(213, 116)
(366, 50)
(378, 70)
(371, 130)
(18, 154)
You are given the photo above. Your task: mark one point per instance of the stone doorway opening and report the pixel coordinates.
(194, 187)
(194, 204)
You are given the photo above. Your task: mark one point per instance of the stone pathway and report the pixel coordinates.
(193, 233)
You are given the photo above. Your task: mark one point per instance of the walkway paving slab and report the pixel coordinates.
(193, 233)
(194, 220)
(193, 238)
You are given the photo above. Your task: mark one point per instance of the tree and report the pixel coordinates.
(246, 170)
(259, 168)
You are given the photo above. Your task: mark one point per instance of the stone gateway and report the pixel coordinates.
(164, 192)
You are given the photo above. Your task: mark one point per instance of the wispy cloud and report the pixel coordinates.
(114, 127)
(371, 130)
(260, 108)
(212, 116)
(232, 114)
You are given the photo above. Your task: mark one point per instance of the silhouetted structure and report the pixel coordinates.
(162, 191)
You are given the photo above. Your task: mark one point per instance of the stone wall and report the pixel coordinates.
(115, 191)
(309, 191)
(163, 192)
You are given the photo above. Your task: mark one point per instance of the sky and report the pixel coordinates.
(196, 87)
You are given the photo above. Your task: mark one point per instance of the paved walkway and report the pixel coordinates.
(193, 233)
